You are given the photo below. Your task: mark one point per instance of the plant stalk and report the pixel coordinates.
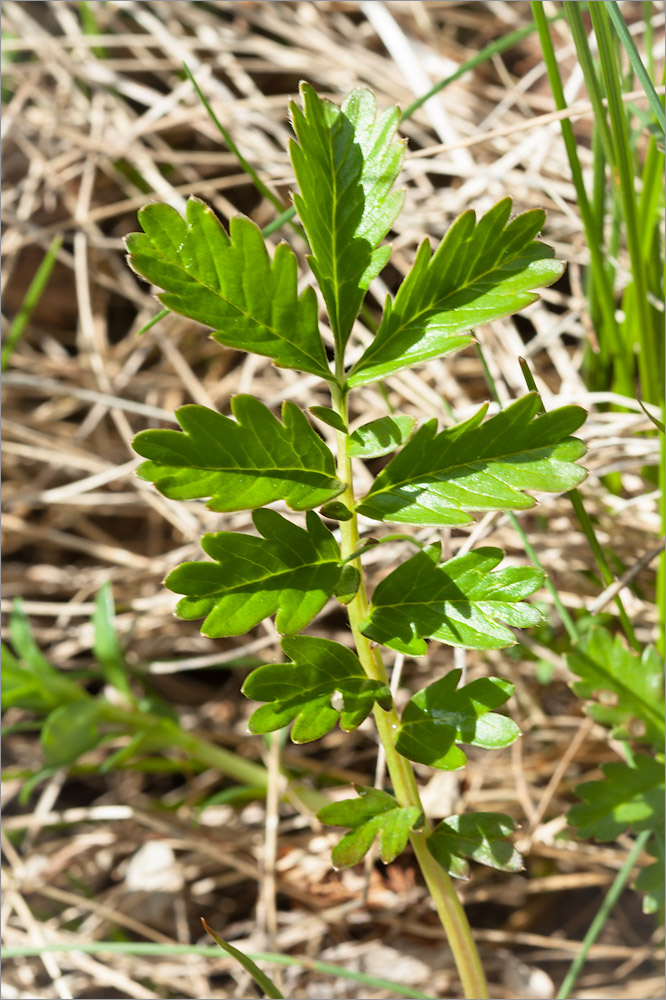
(440, 886)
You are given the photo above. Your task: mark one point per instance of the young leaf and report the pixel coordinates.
(346, 163)
(290, 570)
(437, 478)
(480, 836)
(628, 689)
(330, 417)
(71, 730)
(243, 463)
(230, 284)
(380, 437)
(460, 602)
(324, 683)
(439, 716)
(373, 814)
(481, 271)
(629, 796)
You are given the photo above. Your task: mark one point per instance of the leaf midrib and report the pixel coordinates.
(243, 312)
(432, 476)
(378, 346)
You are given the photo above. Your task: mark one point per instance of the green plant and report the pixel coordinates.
(73, 722)
(346, 161)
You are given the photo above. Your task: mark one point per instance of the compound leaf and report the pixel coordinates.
(481, 271)
(630, 796)
(230, 283)
(437, 478)
(628, 689)
(346, 162)
(481, 836)
(380, 437)
(242, 463)
(290, 570)
(441, 715)
(460, 602)
(373, 814)
(324, 683)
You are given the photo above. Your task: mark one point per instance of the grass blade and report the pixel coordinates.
(30, 300)
(262, 980)
(637, 63)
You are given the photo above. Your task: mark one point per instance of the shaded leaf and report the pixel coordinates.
(373, 814)
(628, 797)
(330, 417)
(29, 681)
(628, 689)
(481, 271)
(230, 283)
(243, 463)
(482, 837)
(324, 683)
(346, 162)
(380, 437)
(441, 715)
(437, 478)
(650, 880)
(459, 602)
(72, 730)
(290, 570)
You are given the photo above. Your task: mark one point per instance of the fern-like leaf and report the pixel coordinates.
(230, 283)
(481, 271)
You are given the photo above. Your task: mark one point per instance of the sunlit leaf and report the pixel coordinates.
(346, 162)
(441, 715)
(479, 836)
(290, 570)
(243, 463)
(229, 283)
(380, 437)
(438, 478)
(481, 271)
(460, 602)
(324, 683)
(373, 814)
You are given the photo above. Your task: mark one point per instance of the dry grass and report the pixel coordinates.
(84, 139)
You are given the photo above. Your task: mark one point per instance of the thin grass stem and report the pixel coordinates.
(603, 914)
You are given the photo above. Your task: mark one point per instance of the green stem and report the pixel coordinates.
(440, 886)
(603, 913)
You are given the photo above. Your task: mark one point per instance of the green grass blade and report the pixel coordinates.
(247, 167)
(637, 63)
(262, 980)
(30, 300)
(603, 288)
(149, 948)
(151, 322)
(641, 320)
(603, 914)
